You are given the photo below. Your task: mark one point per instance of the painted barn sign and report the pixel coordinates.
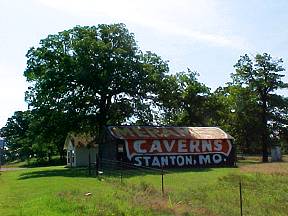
(175, 146)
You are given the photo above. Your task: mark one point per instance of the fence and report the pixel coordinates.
(120, 170)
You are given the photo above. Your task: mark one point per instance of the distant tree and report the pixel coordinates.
(95, 75)
(30, 134)
(48, 131)
(185, 101)
(263, 76)
(236, 109)
(279, 121)
(16, 136)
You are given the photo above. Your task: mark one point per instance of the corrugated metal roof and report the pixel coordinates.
(149, 132)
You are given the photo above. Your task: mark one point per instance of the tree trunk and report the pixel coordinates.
(264, 135)
(102, 121)
(265, 154)
(101, 135)
(61, 153)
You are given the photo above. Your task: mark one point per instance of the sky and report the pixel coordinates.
(207, 36)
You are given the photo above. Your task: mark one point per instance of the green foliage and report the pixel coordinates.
(97, 72)
(262, 77)
(238, 114)
(185, 100)
(16, 135)
(32, 134)
(84, 78)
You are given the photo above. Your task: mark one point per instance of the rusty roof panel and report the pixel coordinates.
(148, 132)
(80, 140)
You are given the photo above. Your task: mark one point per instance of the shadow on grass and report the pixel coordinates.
(112, 169)
(56, 161)
(105, 173)
(43, 163)
(67, 172)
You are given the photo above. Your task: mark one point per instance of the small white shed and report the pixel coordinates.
(80, 147)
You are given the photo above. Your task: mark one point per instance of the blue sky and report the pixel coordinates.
(205, 35)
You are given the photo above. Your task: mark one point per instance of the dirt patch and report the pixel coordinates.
(279, 168)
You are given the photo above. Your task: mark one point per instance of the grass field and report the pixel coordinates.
(57, 190)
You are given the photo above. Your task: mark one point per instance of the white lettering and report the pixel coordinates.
(156, 146)
(194, 146)
(180, 162)
(146, 160)
(138, 160)
(182, 146)
(137, 146)
(206, 146)
(164, 161)
(205, 159)
(188, 160)
(169, 146)
(218, 145)
(155, 162)
(217, 158)
(172, 158)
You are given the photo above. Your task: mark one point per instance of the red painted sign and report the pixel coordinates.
(166, 147)
(175, 146)
(177, 152)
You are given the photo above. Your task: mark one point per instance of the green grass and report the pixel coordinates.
(34, 162)
(57, 190)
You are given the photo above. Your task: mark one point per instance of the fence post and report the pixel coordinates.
(97, 165)
(121, 170)
(240, 193)
(89, 161)
(162, 179)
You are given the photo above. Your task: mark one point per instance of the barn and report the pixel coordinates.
(169, 146)
(157, 147)
(81, 148)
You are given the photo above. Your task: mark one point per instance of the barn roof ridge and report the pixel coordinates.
(167, 132)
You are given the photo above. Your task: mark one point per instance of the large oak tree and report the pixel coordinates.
(96, 75)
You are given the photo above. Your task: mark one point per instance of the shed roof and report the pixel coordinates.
(80, 140)
(150, 132)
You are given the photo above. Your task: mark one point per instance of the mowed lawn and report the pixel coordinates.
(62, 191)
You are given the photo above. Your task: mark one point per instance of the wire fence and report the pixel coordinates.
(122, 170)
(173, 183)
(184, 186)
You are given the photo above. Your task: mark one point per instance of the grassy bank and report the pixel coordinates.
(61, 191)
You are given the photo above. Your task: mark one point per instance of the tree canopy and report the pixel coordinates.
(91, 77)
(97, 74)
(185, 101)
(262, 77)
(84, 78)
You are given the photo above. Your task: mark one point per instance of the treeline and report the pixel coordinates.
(87, 77)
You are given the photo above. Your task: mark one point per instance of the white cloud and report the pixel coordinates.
(195, 20)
